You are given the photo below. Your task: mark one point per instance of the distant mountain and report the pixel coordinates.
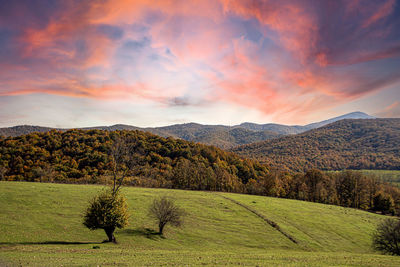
(277, 128)
(23, 129)
(116, 127)
(295, 129)
(344, 144)
(218, 135)
(353, 115)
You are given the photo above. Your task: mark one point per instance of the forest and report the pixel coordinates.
(221, 136)
(79, 156)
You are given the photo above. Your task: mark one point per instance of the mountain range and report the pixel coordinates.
(344, 144)
(222, 136)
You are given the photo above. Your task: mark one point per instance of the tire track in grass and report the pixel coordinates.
(265, 219)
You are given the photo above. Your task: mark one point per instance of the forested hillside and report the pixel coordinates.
(217, 135)
(78, 156)
(346, 144)
(23, 129)
(296, 129)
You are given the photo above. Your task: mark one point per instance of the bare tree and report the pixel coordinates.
(164, 211)
(126, 155)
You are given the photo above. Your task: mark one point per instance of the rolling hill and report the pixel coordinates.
(345, 144)
(217, 135)
(82, 156)
(44, 227)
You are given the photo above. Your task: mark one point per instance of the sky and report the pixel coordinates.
(159, 62)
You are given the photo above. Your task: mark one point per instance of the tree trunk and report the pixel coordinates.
(110, 234)
(161, 228)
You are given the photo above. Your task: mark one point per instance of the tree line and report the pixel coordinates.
(346, 188)
(143, 159)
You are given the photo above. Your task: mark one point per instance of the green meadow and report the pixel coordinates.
(41, 225)
(390, 176)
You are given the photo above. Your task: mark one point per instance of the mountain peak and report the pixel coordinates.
(352, 115)
(357, 115)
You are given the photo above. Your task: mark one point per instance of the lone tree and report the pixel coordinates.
(387, 237)
(126, 155)
(164, 211)
(107, 211)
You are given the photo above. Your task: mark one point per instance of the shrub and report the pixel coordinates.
(387, 237)
(384, 203)
(107, 211)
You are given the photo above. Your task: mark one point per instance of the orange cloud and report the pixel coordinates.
(108, 92)
(128, 11)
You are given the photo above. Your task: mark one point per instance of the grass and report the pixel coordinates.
(390, 176)
(41, 225)
(317, 227)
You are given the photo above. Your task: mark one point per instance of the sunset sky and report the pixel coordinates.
(154, 63)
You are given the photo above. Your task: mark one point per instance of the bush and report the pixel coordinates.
(387, 237)
(384, 203)
(107, 211)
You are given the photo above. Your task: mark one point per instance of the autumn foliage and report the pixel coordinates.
(147, 160)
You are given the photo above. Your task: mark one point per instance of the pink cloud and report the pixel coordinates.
(382, 12)
(392, 110)
(295, 25)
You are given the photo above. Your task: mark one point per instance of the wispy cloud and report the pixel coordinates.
(392, 110)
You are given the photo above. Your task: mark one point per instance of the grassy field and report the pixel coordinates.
(391, 176)
(41, 225)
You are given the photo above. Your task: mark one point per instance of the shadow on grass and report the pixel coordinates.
(147, 232)
(48, 243)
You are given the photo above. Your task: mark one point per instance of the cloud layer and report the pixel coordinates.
(285, 59)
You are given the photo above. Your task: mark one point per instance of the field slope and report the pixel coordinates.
(41, 226)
